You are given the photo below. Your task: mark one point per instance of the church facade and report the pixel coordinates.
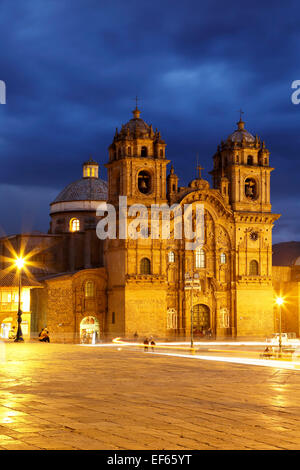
(126, 286)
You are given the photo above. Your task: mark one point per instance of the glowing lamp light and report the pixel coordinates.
(279, 300)
(20, 263)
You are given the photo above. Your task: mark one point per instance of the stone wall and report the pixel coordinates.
(61, 305)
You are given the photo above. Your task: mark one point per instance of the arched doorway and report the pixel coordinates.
(89, 330)
(201, 319)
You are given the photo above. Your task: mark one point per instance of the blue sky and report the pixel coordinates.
(73, 68)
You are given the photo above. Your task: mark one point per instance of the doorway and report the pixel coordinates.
(89, 330)
(201, 319)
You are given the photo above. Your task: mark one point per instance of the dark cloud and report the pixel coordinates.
(73, 67)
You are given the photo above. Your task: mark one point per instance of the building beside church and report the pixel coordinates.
(123, 286)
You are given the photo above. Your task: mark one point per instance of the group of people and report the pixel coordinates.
(148, 341)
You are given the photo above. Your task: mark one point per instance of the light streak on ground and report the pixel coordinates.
(194, 354)
(186, 344)
(239, 360)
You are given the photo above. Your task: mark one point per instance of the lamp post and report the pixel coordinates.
(20, 265)
(279, 302)
(192, 283)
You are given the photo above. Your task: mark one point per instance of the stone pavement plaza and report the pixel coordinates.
(62, 396)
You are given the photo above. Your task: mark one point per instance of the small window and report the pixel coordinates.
(145, 266)
(113, 318)
(161, 152)
(253, 271)
(144, 152)
(250, 160)
(89, 289)
(200, 258)
(129, 151)
(171, 257)
(74, 225)
(223, 258)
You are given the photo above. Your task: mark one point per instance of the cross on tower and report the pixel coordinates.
(199, 168)
(241, 112)
(136, 102)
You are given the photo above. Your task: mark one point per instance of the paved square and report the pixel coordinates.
(60, 396)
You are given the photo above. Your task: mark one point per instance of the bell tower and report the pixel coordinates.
(137, 164)
(242, 169)
(244, 161)
(136, 266)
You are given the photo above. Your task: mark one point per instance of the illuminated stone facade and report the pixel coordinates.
(137, 286)
(236, 296)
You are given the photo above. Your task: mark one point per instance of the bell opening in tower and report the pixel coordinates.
(144, 182)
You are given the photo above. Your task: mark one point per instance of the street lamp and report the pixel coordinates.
(192, 283)
(279, 301)
(20, 265)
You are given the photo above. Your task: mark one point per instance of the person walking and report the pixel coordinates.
(146, 344)
(152, 344)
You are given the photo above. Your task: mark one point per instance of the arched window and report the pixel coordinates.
(74, 225)
(129, 151)
(144, 152)
(200, 258)
(161, 152)
(250, 188)
(172, 319)
(145, 266)
(250, 160)
(171, 257)
(253, 268)
(223, 258)
(144, 182)
(89, 289)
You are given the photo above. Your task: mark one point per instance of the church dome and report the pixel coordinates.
(84, 189)
(136, 139)
(75, 208)
(241, 134)
(137, 128)
(136, 125)
(89, 188)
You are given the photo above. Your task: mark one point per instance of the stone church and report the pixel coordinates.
(80, 284)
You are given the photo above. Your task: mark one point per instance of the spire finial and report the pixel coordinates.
(241, 122)
(136, 112)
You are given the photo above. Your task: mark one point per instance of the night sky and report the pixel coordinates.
(73, 68)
